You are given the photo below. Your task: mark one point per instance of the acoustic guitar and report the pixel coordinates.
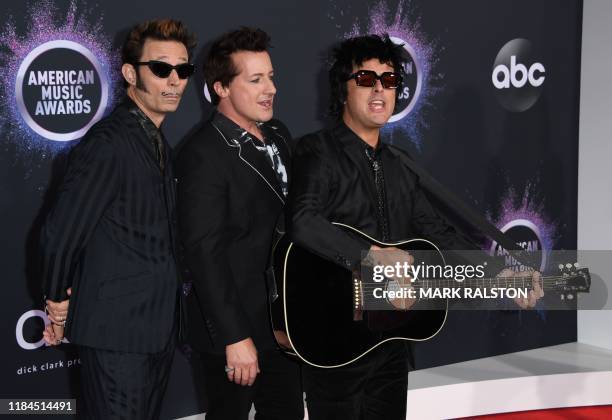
(323, 307)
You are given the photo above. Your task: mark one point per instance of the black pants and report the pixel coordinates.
(118, 385)
(276, 393)
(373, 388)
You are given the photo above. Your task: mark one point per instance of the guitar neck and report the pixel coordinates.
(547, 282)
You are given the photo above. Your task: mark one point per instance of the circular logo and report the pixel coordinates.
(517, 77)
(29, 334)
(411, 86)
(61, 90)
(527, 235)
(207, 94)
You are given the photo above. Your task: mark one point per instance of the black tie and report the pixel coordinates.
(381, 197)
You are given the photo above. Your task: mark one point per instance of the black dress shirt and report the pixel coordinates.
(334, 180)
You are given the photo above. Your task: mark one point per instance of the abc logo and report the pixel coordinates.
(517, 76)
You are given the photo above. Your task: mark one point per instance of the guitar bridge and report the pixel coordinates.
(357, 300)
(357, 295)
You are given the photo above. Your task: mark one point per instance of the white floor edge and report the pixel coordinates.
(580, 375)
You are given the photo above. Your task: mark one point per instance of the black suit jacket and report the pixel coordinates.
(332, 182)
(229, 202)
(110, 236)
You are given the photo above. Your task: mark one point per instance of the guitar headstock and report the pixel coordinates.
(574, 279)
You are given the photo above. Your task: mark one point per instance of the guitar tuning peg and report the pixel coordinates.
(561, 267)
(570, 296)
(577, 265)
(562, 297)
(568, 265)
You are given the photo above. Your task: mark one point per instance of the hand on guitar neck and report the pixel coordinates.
(536, 291)
(390, 257)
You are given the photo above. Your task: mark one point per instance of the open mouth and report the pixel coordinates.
(267, 104)
(377, 105)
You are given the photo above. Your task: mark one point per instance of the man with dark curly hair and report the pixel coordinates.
(109, 244)
(346, 174)
(233, 182)
(338, 177)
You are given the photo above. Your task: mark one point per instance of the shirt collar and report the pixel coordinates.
(233, 131)
(145, 122)
(349, 138)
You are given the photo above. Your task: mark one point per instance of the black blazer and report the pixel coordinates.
(110, 236)
(333, 182)
(229, 202)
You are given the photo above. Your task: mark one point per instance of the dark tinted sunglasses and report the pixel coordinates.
(367, 78)
(163, 70)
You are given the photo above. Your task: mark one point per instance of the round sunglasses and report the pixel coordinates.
(367, 78)
(163, 70)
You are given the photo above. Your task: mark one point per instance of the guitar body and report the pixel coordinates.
(316, 308)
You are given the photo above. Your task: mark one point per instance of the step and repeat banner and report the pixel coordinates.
(489, 107)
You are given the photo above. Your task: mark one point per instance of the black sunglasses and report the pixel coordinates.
(163, 70)
(367, 78)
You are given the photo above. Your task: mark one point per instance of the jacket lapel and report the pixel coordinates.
(256, 160)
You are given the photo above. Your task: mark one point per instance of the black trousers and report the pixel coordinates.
(372, 388)
(276, 393)
(118, 385)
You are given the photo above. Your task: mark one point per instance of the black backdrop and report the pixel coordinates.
(511, 153)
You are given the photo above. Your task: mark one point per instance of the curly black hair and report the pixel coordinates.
(219, 66)
(353, 52)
